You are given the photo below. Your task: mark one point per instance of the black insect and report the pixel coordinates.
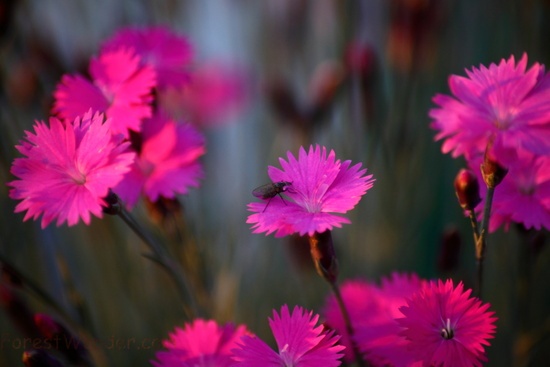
(270, 190)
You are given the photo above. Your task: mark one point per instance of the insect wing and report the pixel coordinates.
(265, 191)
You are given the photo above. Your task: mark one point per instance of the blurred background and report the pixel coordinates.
(355, 76)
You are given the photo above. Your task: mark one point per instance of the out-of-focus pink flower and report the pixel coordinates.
(505, 102)
(68, 169)
(373, 310)
(168, 53)
(363, 306)
(379, 338)
(524, 194)
(202, 343)
(167, 163)
(215, 94)
(446, 327)
(299, 342)
(320, 185)
(120, 87)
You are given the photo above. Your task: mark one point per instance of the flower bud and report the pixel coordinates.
(360, 60)
(113, 204)
(493, 173)
(323, 255)
(467, 189)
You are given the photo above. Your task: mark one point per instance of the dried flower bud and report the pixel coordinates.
(467, 189)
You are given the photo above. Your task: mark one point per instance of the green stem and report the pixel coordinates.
(161, 256)
(481, 242)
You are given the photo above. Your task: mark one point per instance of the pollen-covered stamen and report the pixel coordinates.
(447, 332)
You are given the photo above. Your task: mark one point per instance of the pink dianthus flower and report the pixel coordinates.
(505, 102)
(372, 310)
(361, 301)
(319, 185)
(202, 343)
(446, 327)
(68, 169)
(523, 196)
(168, 53)
(167, 163)
(216, 92)
(300, 343)
(120, 87)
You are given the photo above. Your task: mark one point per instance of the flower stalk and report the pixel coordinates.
(493, 174)
(159, 254)
(324, 258)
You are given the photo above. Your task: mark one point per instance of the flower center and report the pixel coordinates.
(447, 332)
(504, 117)
(286, 357)
(77, 176)
(146, 167)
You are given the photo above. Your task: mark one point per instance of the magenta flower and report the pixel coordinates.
(320, 185)
(379, 338)
(524, 194)
(373, 310)
(68, 169)
(120, 87)
(167, 163)
(201, 343)
(363, 306)
(216, 93)
(168, 53)
(504, 101)
(299, 342)
(447, 327)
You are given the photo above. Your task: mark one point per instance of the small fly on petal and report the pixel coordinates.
(270, 190)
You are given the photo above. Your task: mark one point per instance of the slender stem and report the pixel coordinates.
(161, 256)
(324, 257)
(347, 322)
(481, 242)
(475, 224)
